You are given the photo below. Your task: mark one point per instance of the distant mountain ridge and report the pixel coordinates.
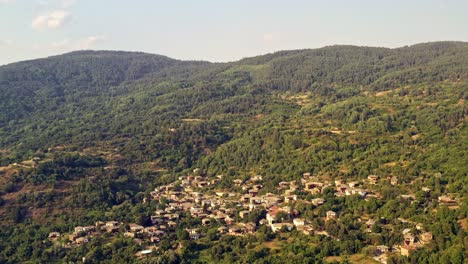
(42, 93)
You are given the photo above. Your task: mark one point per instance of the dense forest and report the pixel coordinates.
(85, 136)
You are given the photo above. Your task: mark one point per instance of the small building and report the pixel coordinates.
(223, 230)
(244, 214)
(426, 189)
(143, 253)
(318, 201)
(406, 250)
(331, 215)
(298, 222)
(112, 223)
(81, 240)
(382, 249)
(409, 239)
(206, 221)
(308, 230)
(426, 237)
(278, 226)
(229, 220)
(154, 239)
(447, 200)
(171, 224)
(136, 228)
(54, 235)
(272, 215)
(250, 227)
(234, 231)
(129, 234)
(253, 192)
(194, 233)
(372, 179)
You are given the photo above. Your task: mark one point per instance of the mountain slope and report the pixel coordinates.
(86, 136)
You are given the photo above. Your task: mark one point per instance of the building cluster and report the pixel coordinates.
(230, 211)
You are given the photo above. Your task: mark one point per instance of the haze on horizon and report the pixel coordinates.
(220, 30)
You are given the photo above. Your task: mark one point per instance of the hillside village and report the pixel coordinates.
(246, 210)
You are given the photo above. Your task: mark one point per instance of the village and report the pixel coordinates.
(200, 197)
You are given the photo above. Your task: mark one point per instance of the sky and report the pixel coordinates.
(221, 30)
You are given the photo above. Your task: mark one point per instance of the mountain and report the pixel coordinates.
(85, 136)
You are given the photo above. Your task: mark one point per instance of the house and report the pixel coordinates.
(250, 227)
(72, 237)
(426, 237)
(308, 230)
(447, 200)
(339, 182)
(331, 215)
(369, 224)
(253, 192)
(202, 184)
(284, 184)
(382, 249)
(193, 233)
(257, 178)
(223, 230)
(229, 220)
(235, 231)
(54, 235)
(144, 252)
(206, 221)
(406, 250)
(171, 224)
(318, 201)
(237, 182)
(81, 240)
(290, 198)
(272, 214)
(278, 226)
(154, 239)
(136, 228)
(309, 186)
(151, 230)
(409, 239)
(425, 189)
(112, 224)
(298, 222)
(129, 234)
(342, 187)
(244, 214)
(258, 186)
(372, 179)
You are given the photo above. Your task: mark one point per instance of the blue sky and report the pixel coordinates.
(221, 30)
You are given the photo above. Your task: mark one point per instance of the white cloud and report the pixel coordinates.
(60, 44)
(52, 3)
(67, 3)
(90, 41)
(6, 43)
(7, 1)
(51, 20)
(271, 36)
(66, 45)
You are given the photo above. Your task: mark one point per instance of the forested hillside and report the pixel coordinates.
(85, 136)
